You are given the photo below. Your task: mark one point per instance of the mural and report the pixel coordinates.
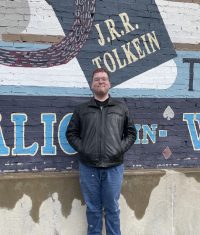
(61, 52)
(47, 52)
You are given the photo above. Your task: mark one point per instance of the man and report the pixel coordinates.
(101, 131)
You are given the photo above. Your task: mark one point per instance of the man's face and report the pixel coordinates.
(100, 84)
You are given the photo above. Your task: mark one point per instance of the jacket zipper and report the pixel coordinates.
(101, 160)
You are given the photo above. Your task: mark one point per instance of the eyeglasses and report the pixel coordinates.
(98, 79)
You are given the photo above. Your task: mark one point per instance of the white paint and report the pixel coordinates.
(18, 220)
(42, 19)
(172, 210)
(67, 75)
(28, 17)
(71, 75)
(182, 20)
(160, 77)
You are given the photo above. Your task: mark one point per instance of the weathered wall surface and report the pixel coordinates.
(151, 202)
(48, 49)
(47, 52)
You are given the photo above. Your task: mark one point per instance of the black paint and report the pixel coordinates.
(191, 61)
(143, 110)
(145, 13)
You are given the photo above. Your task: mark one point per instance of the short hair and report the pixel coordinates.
(99, 70)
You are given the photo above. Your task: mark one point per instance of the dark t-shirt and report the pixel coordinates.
(102, 103)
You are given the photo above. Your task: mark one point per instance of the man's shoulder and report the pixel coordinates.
(120, 102)
(82, 105)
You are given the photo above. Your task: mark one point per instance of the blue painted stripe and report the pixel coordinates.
(44, 91)
(19, 46)
(162, 133)
(178, 90)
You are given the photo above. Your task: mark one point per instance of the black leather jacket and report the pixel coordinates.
(101, 136)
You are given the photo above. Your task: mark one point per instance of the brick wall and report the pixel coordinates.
(47, 52)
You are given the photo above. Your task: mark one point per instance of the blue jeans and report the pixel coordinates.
(101, 189)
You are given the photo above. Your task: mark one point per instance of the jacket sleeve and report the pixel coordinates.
(73, 131)
(130, 133)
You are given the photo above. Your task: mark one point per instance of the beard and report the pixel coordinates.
(100, 91)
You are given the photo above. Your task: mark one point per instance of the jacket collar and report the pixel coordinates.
(92, 103)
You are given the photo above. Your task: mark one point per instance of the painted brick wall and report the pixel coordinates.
(47, 52)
